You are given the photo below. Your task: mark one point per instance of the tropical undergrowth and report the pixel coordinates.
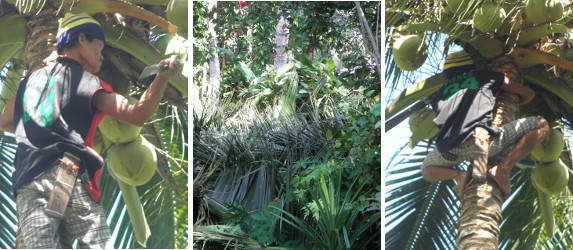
(292, 161)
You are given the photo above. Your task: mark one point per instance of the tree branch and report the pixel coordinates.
(369, 37)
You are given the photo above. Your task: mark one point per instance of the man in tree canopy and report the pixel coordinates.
(53, 115)
(465, 102)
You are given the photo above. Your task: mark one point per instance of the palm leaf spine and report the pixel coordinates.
(530, 35)
(544, 80)
(8, 51)
(11, 82)
(98, 6)
(414, 93)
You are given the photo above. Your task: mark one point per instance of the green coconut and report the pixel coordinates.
(119, 131)
(423, 119)
(133, 163)
(410, 52)
(550, 177)
(162, 42)
(549, 149)
(556, 10)
(422, 126)
(489, 17)
(542, 11)
(177, 46)
(458, 6)
(178, 14)
(171, 45)
(100, 142)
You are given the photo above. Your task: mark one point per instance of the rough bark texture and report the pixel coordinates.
(281, 43)
(368, 37)
(478, 226)
(211, 90)
(480, 216)
(41, 40)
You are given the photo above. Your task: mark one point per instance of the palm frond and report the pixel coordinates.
(419, 213)
(520, 214)
(8, 208)
(418, 207)
(225, 235)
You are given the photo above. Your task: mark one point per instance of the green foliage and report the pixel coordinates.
(310, 35)
(359, 144)
(261, 226)
(275, 88)
(251, 147)
(337, 219)
(273, 134)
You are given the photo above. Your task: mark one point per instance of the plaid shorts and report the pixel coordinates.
(510, 134)
(84, 219)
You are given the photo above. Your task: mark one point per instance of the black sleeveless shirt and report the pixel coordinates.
(465, 101)
(54, 114)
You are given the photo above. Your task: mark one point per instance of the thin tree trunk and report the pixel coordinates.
(367, 36)
(281, 43)
(478, 226)
(211, 90)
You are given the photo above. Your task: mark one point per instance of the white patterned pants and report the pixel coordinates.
(84, 219)
(509, 136)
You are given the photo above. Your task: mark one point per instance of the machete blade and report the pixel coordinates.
(152, 70)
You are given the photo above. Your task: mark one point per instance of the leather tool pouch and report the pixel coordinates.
(65, 180)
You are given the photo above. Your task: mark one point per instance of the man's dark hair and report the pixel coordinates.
(74, 43)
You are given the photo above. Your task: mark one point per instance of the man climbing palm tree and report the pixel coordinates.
(465, 102)
(53, 115)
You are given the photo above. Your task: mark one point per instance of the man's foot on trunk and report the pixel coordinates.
(461, 182)
(502, 181)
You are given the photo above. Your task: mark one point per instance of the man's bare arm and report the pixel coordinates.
(513, 86)
(7, 117)
(119, 107)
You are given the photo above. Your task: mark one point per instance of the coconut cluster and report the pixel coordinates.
(410, 51)
(131, 158)
(543, 11)
(550, 174)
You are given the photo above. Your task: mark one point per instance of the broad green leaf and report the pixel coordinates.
(330, 65)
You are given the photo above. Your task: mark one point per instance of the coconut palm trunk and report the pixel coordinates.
(478, 226)
(42, 29)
